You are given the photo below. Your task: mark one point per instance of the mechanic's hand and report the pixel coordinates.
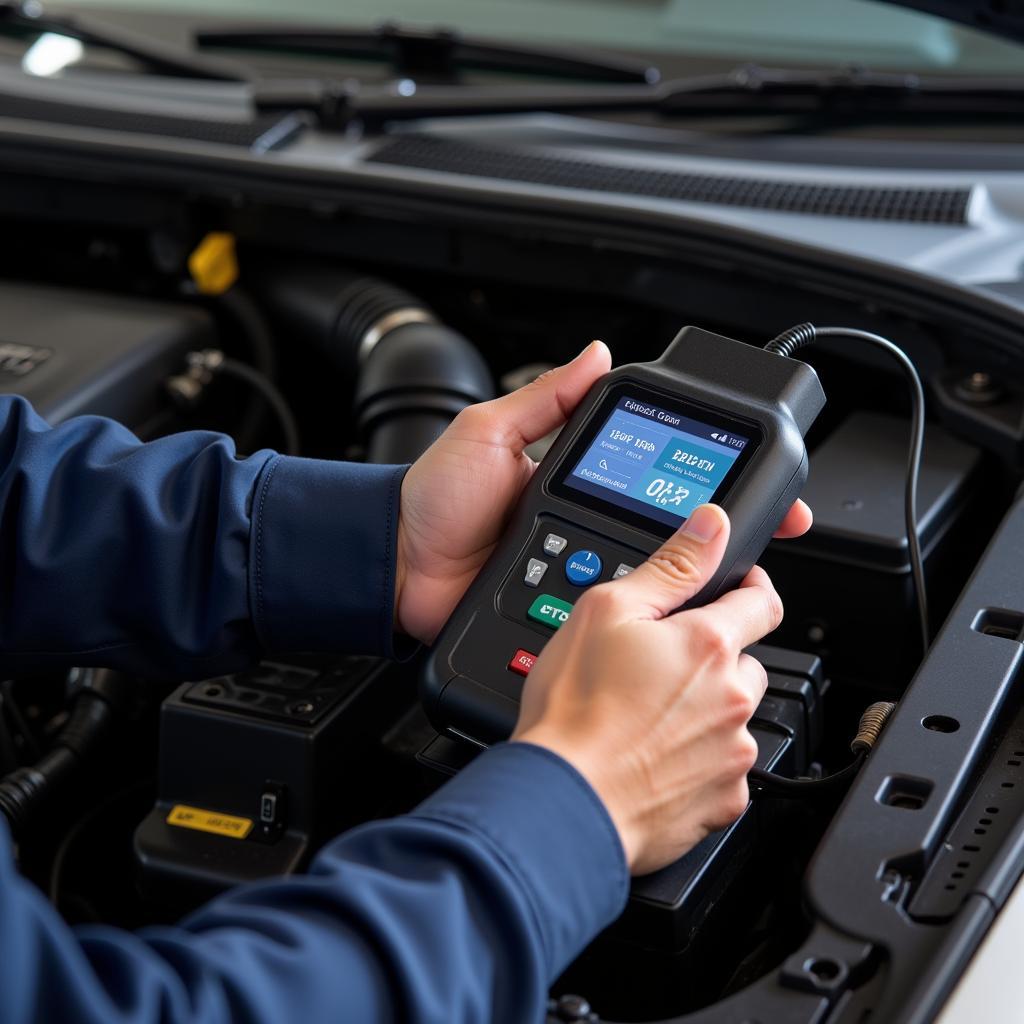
(652, 708)
(456, 499)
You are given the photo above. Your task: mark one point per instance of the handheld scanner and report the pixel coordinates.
(712, 420)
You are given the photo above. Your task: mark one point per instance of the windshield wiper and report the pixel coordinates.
(749, 89)
(27, 17)
(438, 53)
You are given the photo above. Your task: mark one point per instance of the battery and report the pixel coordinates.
(847, 585)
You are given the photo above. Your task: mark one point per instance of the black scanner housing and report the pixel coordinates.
(467, 688)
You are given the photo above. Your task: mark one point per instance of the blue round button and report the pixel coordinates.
(583, 567)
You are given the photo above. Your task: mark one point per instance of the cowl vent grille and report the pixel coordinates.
(919, 205)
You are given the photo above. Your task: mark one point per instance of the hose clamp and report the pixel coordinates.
(390, 322)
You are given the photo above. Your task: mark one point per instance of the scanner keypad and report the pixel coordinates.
(562, 562)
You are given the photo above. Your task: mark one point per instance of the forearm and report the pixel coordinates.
(464, 911)
(177, 558)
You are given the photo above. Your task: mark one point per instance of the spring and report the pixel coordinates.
(872, 722)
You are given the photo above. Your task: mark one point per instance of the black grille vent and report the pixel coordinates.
(262, 133)
(926, 206)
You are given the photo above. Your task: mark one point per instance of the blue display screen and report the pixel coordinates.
(654, 462)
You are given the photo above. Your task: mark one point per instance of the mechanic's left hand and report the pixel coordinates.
(457, 497)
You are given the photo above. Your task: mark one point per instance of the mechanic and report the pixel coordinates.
(178, 558)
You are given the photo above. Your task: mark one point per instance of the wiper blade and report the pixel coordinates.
(439, 53)
(749, 89)
(25, 17)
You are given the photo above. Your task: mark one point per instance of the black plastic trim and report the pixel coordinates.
(261, 134)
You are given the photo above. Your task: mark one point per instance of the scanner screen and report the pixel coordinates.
(655, 462)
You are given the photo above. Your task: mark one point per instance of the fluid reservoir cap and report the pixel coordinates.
(213, 263)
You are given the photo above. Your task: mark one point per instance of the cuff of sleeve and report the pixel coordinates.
(322, 555)
(553, 834)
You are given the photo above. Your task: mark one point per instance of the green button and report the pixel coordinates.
(552, 611)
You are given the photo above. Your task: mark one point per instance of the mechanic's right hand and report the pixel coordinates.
(652, 707)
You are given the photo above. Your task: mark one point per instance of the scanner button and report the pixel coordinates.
(521, 663)
(623, 570)
(553, 544)
(552, 611)
(535, 572)
(583, 567)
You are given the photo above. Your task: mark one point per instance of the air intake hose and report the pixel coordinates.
(414, 374)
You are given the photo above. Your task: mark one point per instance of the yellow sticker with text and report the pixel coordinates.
(209, 821)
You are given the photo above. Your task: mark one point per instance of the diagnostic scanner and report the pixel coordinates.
(712, 420)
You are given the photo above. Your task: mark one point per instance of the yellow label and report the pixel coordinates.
(209, 821)
(213, 263)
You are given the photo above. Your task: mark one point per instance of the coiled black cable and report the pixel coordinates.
(786, 343)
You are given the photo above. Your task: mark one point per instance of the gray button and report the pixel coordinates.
(623, 570)
(535, 572)
(553, 544)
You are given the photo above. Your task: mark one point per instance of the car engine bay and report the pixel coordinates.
(357, 329)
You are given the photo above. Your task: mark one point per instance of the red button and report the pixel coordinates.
(521, 663)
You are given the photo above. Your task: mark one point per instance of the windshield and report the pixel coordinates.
(817, 32)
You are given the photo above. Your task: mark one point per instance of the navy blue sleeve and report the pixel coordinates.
(463, 911)
(176, 558)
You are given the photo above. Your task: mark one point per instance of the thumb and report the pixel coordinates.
(543, 405)
(682, 565)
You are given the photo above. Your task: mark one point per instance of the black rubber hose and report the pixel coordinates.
(269, 393)
(253, 328)
(414, 374)
(25, 790)
(330, 310)
(414, 382)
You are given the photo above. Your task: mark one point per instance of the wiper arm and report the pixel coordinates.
(439, 53)
(853, 89)
(749, 89)
(24, 17)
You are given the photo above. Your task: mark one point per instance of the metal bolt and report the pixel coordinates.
(573, 1009)
(979, 388)
(184, 389)
(302, 707)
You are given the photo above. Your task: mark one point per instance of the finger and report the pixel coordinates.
(681, 566)
(745, 615)
(545, 404)
(757, 577)
(754, 676)
(797, 522)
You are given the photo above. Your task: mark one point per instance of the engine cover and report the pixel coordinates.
(73, 352)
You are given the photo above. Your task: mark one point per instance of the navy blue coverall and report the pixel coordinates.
(179, 558)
